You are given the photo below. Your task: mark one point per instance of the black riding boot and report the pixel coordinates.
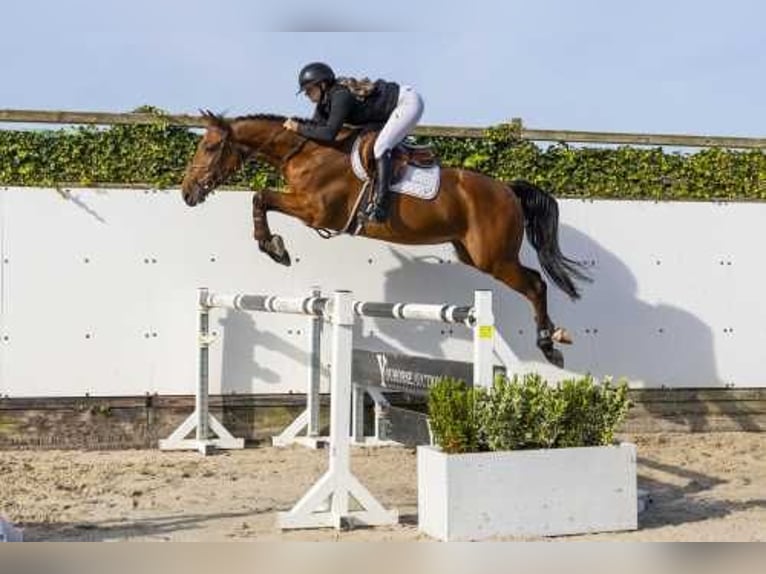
(380, 194)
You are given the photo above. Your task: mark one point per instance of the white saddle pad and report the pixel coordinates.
(420, 182)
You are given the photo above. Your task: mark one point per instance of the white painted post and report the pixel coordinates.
(309, 418)
(483, 339)
(315, 369)
(203, 365)
(357, 414)
(338, 484)
(382, 428)
(201, 421)
(340, 397)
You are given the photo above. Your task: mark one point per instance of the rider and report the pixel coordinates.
(360, 102)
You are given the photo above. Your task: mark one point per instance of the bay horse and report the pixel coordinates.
(483, 218)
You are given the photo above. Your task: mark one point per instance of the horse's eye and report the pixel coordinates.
(213, 147)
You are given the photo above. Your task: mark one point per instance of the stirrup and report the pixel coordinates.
(375, 211)
(377, 215)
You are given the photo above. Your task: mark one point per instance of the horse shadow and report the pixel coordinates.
(155, 528)
(625, 336)
(617, 334)
(241, 341)
(428, 279)
(680, 492)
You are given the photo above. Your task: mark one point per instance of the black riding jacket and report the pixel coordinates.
(339, 106)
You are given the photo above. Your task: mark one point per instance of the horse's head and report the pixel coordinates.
(216, 158)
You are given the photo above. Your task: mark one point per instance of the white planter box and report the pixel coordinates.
(527, 493)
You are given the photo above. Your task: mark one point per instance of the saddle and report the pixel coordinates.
(402, 155)
(415, 172)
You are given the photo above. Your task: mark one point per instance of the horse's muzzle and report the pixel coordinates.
(194, 194)
(190, 198)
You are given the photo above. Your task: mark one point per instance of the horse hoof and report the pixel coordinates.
(555, 357)
(561, 335)
(283, 259)
(280, 254)
(275, 248)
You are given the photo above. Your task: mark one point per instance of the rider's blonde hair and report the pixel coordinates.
(359, 88)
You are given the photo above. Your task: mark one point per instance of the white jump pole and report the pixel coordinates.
(486, 345)
(479, 317)
(338, 484)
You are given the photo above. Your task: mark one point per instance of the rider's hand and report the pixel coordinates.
(291, 125)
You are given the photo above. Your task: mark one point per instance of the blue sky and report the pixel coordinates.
(652, 65)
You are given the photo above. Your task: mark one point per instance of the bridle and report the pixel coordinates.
(215, 176)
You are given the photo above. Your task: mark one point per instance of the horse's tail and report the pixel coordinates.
(541, 217)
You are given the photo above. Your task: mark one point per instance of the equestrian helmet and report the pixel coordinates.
(314, 73)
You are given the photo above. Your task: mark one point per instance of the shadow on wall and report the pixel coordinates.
(616, 334)
(624, 336)
(246, 349)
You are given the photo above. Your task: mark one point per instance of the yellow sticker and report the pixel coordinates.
(486, 331)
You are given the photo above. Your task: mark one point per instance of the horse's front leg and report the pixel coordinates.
(271, 244)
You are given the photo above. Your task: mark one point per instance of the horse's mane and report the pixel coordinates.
(267, 117)
(342, 142)
(222, 120)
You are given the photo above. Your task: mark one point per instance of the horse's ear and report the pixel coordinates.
(215, 121)
(206, 116)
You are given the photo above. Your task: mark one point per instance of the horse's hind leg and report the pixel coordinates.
(529, 283)
(492, 246)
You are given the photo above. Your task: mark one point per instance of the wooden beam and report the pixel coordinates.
(643, 139)
(601, 138)
(450, 132)
(95, 118)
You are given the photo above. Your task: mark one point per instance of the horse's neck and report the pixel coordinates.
(267, 138)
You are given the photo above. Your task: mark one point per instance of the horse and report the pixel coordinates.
(483, 218)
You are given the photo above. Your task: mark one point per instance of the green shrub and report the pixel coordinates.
(452, 416)
(526, 413)
(591, 411)
(520, 413)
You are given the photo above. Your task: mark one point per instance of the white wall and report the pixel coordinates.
(98, 290)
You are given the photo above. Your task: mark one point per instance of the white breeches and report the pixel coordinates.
(403, 119)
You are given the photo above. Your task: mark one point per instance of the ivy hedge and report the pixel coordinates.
(157, 154)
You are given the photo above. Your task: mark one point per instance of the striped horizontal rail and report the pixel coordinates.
(315, 306)
(320, 306)
(416, 311)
